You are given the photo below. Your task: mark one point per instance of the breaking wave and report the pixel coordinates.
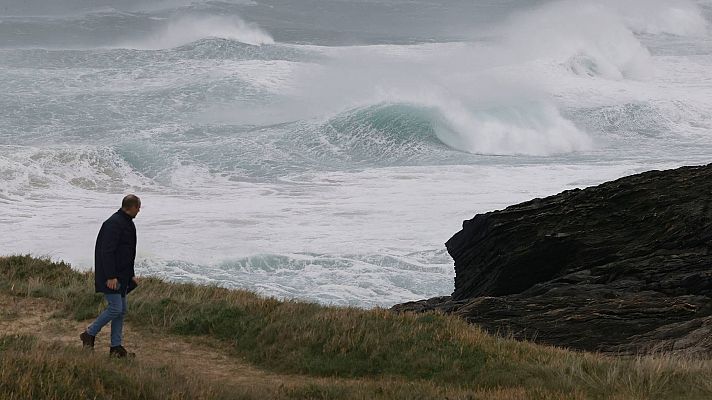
(409, 130)
(49, 170)
(187, 29)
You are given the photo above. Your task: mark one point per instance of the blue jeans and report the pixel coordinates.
(115, 313)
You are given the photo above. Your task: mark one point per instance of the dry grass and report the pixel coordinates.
(353, 353)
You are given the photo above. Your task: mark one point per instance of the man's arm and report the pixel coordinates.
(133, 284)
(107, 250)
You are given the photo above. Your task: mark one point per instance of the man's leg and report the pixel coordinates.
(113, 310)
(117, 324)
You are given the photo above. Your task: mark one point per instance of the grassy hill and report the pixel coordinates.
(206, 342)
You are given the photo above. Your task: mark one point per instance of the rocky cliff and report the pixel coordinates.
(622, 267)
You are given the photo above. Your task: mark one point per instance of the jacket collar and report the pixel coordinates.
(123, 214)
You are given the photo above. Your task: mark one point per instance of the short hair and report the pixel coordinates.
(130, 201)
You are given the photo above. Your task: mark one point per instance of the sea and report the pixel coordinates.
(325, 150)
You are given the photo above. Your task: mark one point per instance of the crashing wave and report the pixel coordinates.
(31, 170)
(406, 130)
(187, 29)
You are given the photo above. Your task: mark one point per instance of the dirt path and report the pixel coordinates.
(26, 315)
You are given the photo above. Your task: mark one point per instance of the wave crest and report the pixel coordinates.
(535, 128)
(408, 130)
(383, 131)
(187, 29)
(29, 170)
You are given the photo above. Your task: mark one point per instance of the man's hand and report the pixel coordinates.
(112, 283)
(135, 280)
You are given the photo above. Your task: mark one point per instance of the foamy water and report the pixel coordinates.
(330, 161)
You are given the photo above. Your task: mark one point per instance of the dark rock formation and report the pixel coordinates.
(622, 267)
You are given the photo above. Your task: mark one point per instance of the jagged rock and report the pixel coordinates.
(622, 267)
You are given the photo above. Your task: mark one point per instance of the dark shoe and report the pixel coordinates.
(120, 352)
(87, 340)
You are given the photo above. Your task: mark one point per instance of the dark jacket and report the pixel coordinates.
(115, 253)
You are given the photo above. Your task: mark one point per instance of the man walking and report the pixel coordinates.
(114, 257)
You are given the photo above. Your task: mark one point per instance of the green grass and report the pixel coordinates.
(309, 339)
(31, 369)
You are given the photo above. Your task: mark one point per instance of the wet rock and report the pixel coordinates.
(622, 267)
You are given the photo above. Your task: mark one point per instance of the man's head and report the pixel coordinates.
(131, 205)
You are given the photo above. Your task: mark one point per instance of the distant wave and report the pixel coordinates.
(161, 5)
(389, 134)
(120, 29)
(75, 8)
(405, 131)
(183, 30)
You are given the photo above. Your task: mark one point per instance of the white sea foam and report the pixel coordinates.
(353, 238)
(533, 129)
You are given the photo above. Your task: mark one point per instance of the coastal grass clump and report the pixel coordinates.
(335, 342)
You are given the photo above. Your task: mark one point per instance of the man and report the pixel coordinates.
(114, 257)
